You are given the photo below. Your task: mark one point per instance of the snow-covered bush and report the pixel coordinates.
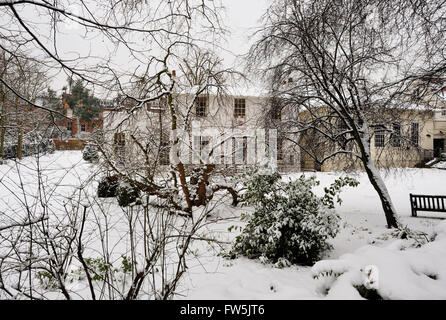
(127, 194)
(290, 224)
(107, 187)
(31, 145)
(124, 192)
(90, 153)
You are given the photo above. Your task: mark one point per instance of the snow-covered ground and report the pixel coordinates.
(440, 165)
(363, 224)
(363, 239)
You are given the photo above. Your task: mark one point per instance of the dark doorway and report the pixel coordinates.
(438, 147)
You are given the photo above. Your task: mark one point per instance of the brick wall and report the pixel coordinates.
(70, 144)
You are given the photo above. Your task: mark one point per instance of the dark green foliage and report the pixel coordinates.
(99, 268)
(127, 264)
(30, 147)
(335, 188)
(46, 280)
(369, 294)
(127, 194)
(290, 224)
(83, 103)
(107, 187)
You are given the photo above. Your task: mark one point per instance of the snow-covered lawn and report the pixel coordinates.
(363, 239)
(363, 230)
(440, 165)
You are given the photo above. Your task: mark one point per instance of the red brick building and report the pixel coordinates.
(76, 131)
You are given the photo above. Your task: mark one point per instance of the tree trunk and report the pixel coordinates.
(202, 185)
(19, 130)
(377, 182)
(2, 124)
(20, 145)
(180, 166)
(381, 189)
(2, 140)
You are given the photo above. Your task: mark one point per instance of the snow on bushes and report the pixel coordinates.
(90, 153)
(107, 187)
(32, 144)
(403, 273)
(290, 224)
(125, 193)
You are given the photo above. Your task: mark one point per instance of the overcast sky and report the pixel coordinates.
(241, 17)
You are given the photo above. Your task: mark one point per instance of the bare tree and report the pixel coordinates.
(149, 129)
(74, 237)
(350, 64)
(22, 125)
(150, 34)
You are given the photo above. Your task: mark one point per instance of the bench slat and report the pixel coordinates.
(427, 203)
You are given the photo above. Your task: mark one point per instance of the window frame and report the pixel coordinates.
(280, 153)
(164, 156)
(239, 107)
(342, 138)
(157, 105)
(245, 150)
(380, 138)
(201, 106)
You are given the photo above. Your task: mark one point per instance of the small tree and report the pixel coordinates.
(290, 224)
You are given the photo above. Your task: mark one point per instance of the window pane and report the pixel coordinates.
(239, 107)
(379, 139)
(280, 148)
(164, 151)
(201, 106)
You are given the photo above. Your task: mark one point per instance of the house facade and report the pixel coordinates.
(231, 131)
(437, 132)
(239, 129)
(75, 126)
(73, 132)
(412, 137)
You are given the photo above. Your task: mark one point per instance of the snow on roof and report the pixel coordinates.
(249, 91)
(242, 89)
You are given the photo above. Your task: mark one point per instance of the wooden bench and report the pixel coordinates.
(427, 203)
